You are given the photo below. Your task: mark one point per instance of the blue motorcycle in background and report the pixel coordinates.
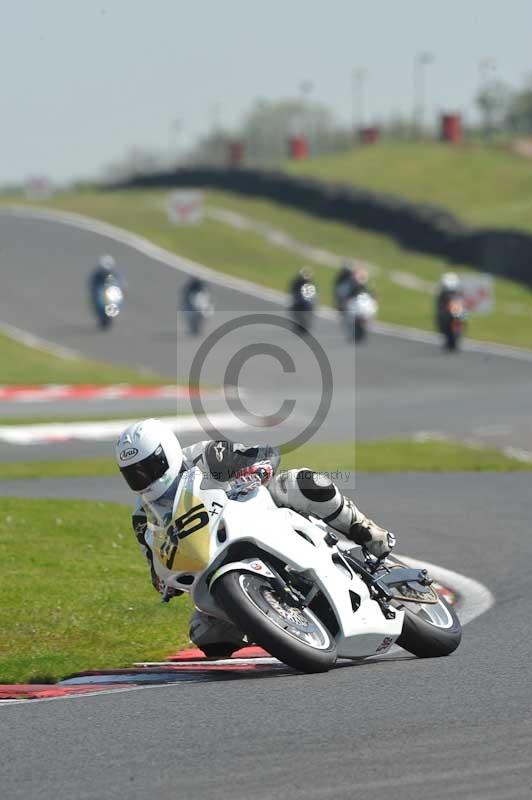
(107, 292)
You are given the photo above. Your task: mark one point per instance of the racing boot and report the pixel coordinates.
(363, 531)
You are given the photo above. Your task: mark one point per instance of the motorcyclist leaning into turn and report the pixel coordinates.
(303, 278)
(105, 272)
(350, 281)
(191, 289)
(153, 462)
(450, 288)
(304, 299)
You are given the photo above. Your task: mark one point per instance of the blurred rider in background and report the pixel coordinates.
(304, 299)
(104, 273)
(196, 304)
(350, 281)
(450, 288)
(191, 290)
(153, 462)
(303, 278)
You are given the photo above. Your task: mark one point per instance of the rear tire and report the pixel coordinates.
(451, 342)
(241, 593)
(427, 640)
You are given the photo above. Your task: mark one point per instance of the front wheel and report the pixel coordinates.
(293, 635)
(430, 629)
(104, 321)
(360, 331)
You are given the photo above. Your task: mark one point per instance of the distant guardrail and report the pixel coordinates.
(418, 226)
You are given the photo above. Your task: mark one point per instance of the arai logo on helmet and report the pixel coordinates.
(129, 452)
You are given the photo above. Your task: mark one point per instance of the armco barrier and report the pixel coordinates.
(417, 226)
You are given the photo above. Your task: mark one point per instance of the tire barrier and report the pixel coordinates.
(416, 226)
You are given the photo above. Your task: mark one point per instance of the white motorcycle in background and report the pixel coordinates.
(357, 315)
(287, 583)
(198, 309)
(109, 302)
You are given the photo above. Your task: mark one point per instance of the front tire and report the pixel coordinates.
(295, 636)
(360, 331)
(430, 631)
(451, 342)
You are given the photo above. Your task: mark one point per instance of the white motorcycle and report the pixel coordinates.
(287, 582)
(198, 309)
(358, 313)
(108, 303)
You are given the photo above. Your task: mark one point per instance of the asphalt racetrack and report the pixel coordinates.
(402, 386)
(398, 727)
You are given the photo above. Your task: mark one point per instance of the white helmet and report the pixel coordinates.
(450, 281)
(149, 457)
(107, 262)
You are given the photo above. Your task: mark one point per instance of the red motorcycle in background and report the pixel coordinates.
(452, 320)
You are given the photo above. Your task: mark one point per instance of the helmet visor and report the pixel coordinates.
(140, 475)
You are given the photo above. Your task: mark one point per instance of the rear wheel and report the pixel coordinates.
(430, 629)
(451, 341)
(293, 635)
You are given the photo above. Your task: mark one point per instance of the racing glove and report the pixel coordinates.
(261, 472)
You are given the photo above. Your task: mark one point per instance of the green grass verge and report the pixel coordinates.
(245, 254)
(27, 365)
(400, 455)
(75, 592)
(482, 184)
(102, 417)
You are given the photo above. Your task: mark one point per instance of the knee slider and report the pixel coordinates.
(315, 486)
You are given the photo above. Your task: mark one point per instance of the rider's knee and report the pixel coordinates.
(298, 487)
(315, 486)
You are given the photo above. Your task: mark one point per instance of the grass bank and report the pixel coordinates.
(509, 323)
(398, 455)
(483, 184)
(75, 592)
(22, 364)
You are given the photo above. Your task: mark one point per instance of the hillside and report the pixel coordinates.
(481, 184)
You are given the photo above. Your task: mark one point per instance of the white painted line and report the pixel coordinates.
(518, 453)
(109, 430)
(474, 598)
(220, 662)
(174, 261)
(279, 238)
(317, 255)
(31, 340)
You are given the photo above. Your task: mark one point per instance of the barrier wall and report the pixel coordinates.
(417, 226)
